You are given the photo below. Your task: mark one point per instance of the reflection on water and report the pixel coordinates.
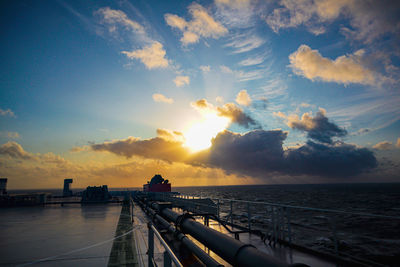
(28, 234)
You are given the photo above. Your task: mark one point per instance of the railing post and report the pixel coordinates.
(335, 241)
(218, 208)
(167, 259)
(288, 225)
(150, 252)
(248, 216)
(232, 214)
(131, 209)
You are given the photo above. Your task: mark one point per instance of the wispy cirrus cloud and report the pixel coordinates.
(243, 76)
(245, 42)
(236, 13)
(368, 20)
(162, 98)
(201, 25)
(152, 54)
(251, 61)
(344, 69)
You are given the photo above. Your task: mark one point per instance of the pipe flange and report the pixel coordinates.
(180, 219)
(238, 251)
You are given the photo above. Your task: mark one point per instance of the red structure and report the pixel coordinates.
(157, 188)
(157, 184)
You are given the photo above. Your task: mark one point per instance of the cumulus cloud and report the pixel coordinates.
(201, 25)
(243, 98)
(344, 69)
(152, 56)
(114, 18)
(258, 153)
(11, 135)
(384, 145)
(7, 112)
(162, 98)
(229, 110)
(205, 68)
(170, 135)
(181, 80)
(15, 150)
(318, 128)
(368, 19)
(154, 148)
(237, 115)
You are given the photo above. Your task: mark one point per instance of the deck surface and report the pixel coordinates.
(123, 252)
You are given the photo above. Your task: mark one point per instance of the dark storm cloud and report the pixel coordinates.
(259, 153)
(339, 159)
(318, 128)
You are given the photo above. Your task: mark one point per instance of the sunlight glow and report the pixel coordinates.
(199, 135)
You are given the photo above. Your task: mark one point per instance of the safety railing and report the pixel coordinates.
(168, 255)
(328, 231)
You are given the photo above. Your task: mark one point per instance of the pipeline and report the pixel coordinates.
(201, 254)
(231, 250)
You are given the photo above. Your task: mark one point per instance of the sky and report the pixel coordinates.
(223, 92)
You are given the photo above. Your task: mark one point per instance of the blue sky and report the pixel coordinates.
(78, 73)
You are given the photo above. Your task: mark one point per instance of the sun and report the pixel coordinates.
(199, 135)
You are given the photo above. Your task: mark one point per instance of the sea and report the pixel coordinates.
(363, 220)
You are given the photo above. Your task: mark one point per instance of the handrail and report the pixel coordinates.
(181, 197)
(311, 209)
(165, 245)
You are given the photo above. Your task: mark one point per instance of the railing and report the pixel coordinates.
(168, 254)
(327, 231)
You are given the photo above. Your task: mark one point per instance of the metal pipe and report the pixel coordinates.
(201, 254)
(228, 248)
